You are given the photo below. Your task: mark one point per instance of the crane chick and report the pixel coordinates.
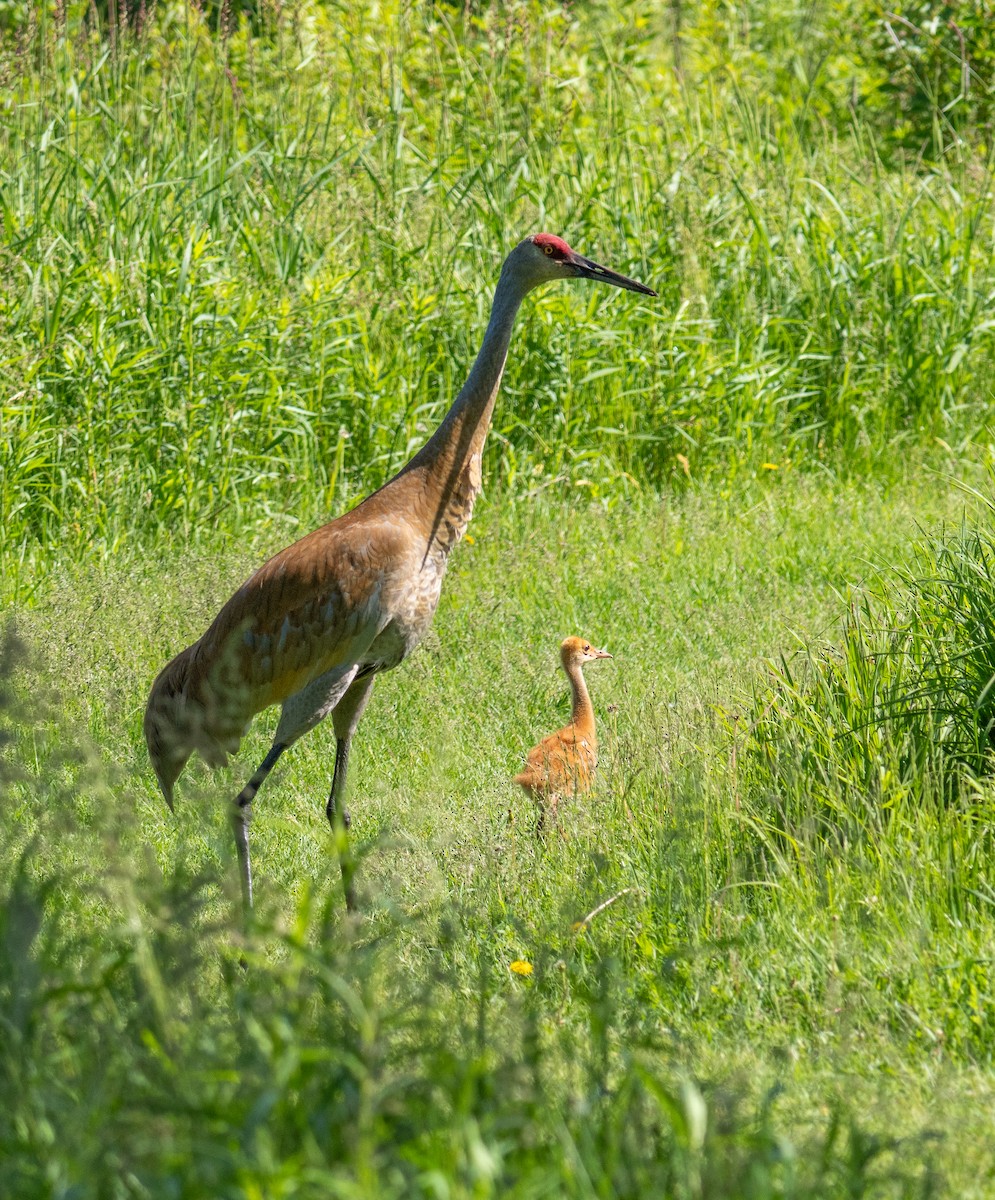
(563, 764)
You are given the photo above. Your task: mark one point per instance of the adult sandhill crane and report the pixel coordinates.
(313, 627)
(563, 764)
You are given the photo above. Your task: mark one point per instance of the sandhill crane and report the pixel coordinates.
(312, 628)
(563, 764)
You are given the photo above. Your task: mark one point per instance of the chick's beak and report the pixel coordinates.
(587, 269)
(600, 653)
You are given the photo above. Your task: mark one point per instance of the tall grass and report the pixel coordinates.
(905, 702)
(246, 275)
(867, 765)
(680, 1031)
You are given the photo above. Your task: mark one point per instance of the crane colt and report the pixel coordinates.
(563, 764)
(315, 625)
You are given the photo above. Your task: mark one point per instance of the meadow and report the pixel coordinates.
(248, 252)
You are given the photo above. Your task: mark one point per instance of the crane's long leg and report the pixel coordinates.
(345, 718)
(242, 815)
(339, 819)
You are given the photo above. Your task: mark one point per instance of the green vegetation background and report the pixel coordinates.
(247, 256)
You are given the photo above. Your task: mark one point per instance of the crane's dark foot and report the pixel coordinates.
(348, 870)
(240, 819)
(338, 814)
(347, 863)
(340, 822)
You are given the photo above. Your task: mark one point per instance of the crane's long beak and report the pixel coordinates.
(587, 269)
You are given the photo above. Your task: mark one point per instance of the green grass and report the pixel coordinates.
(243, 276)
(828, 1010)
(246, 275)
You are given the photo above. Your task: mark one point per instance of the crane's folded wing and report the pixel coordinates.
(315, 606)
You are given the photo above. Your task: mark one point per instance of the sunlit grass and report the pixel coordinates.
(246, 276)
(719, 959)
(243, 277)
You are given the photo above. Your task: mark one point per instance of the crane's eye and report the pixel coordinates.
(547, 249)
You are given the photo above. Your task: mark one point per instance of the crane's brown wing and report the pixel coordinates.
(316, 605)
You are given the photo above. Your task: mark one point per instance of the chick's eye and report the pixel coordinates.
(587, 649)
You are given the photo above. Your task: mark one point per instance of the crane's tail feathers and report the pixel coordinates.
(168, 732)
(183, 715)
(167, 762)
(167, 791)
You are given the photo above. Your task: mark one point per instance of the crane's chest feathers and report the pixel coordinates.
(385, 592)
(453, 514)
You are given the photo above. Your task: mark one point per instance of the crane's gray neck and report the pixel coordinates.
(464, 428)
(444, 476)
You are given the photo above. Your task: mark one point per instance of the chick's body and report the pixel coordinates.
(563, 764)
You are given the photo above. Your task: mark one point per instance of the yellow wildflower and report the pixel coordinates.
(521, 968)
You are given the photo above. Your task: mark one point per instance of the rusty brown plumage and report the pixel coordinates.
(304, 612)
(563, 764)
(312, 628)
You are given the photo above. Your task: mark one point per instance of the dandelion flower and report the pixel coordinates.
(521, 968)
